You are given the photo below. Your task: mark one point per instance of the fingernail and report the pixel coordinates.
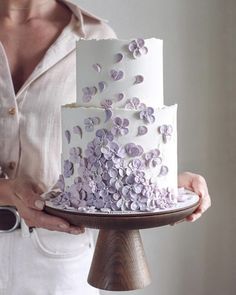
(39, 204)
(76, 232)
(63, 226)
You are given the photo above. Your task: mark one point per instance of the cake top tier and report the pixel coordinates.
(119, 73)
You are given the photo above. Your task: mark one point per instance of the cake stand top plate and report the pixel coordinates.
(128, 220)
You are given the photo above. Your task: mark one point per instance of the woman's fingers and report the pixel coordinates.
(43, 220)
(197, 184)
(30, 199)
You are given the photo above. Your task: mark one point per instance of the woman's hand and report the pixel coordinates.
(26, 198)
(197, 184)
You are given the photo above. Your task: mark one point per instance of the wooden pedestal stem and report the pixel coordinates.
(119, 262)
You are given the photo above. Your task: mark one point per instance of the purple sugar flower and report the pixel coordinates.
(134, 104)
(166, 132)
(152, 158)
(147, 115)
(104, 134)
(120, 127)
(135, 164)
(75, 154)
(137, 48)
(90, 123)
(133, 150)
(68, 169)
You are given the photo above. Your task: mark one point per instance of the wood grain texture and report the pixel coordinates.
(119, 262)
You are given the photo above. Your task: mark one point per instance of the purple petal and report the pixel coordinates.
(132, 46)
(163, 171)
(97, 67)
(87, 98)
(142, 130)
(102, 86)
(136, 53)
(118, 121)
(68, 136)
(125, 122)
(108, 115)
(86, 91)
(120, 96)
(94, 90)
(119, 57)
(169, 129)
(78, 130)
(96, 120)
(150, 110)
(140, 42)
(136, 101)
(138, 79)
(162, 129)
(143, 50)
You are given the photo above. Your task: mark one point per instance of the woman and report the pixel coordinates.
(37, 76)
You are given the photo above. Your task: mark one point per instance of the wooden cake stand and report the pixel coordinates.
(119, 262)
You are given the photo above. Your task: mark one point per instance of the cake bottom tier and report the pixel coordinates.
(118, 159)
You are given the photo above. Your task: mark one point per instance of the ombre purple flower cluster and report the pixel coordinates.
(106, 183)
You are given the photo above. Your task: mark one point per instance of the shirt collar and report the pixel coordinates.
(79, 13)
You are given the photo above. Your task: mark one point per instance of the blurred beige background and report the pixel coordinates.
(200, 75)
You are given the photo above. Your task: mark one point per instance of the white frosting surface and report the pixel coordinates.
(104, 53)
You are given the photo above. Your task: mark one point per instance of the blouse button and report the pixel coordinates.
(12, 165)
(11, 111)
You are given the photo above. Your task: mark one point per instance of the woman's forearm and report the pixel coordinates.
(5, 192)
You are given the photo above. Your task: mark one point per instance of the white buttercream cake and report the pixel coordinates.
(119, 141)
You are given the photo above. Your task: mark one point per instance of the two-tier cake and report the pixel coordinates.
(119, 148)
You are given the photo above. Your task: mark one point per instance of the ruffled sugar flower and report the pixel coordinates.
(137, 48)
(120, 126)
(90, 123)
(166, 132)
(68, 168)
(152, 158)
(147, 115)
(133, 150)
(135, 164)
(134, 104)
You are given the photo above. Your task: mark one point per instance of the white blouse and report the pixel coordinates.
(30, 121)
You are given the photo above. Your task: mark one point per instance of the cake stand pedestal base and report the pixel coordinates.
(119, 262)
